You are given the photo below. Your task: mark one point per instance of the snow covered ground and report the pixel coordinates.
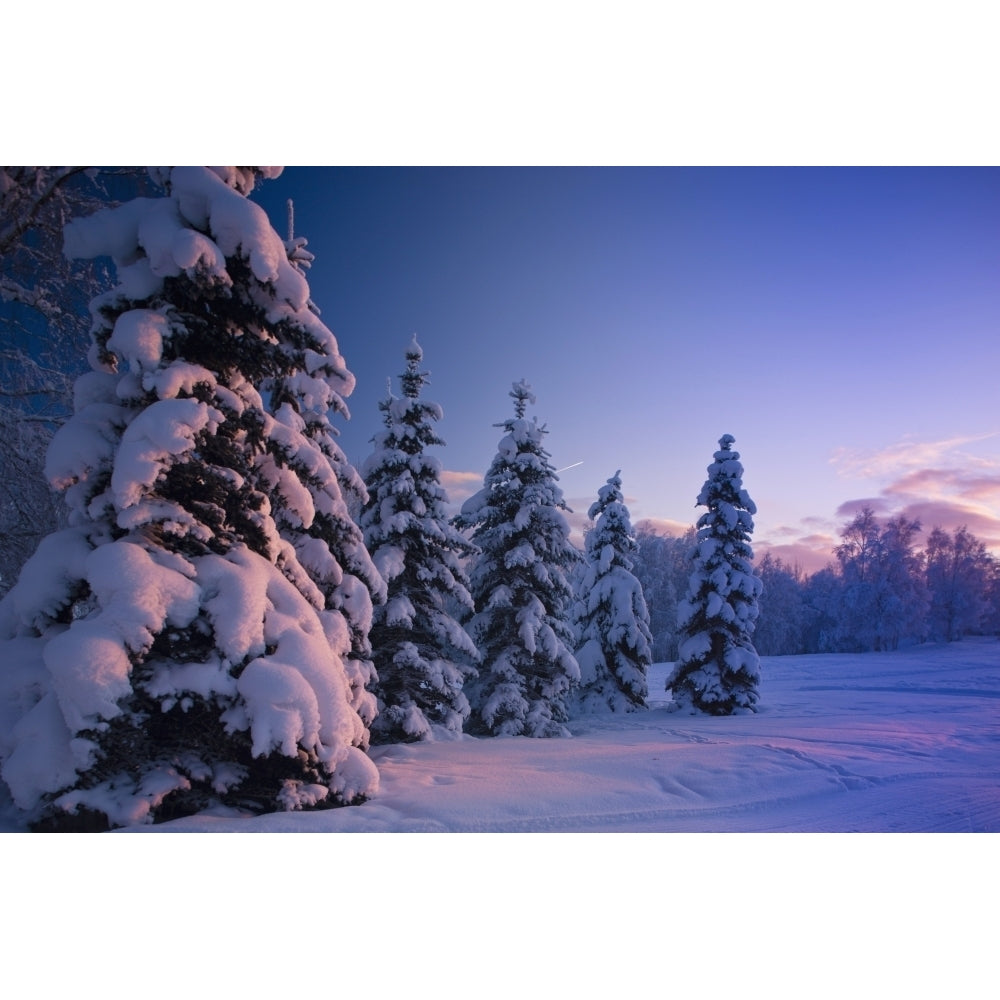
(903, 741)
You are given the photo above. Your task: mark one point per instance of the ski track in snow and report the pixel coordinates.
(903, 741)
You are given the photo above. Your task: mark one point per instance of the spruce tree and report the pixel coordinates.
(613, 621)
(718, 669)
(169, 650)
(423, 656)
(328, 542)
(523, 600)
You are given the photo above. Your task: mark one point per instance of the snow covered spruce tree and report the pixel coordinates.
(613, 649)
(523, 600)
(319, 523)
(169, 651)
(718, 668)
(423, 656)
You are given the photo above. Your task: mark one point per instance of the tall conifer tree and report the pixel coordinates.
(718, 670)
(423, 656)
(520, 586)
(169, 650)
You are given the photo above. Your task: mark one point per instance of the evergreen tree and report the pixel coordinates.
(169, 651)
(718, 668)
(613, 622)
(328, 542)
(520, 587)
(423, 656)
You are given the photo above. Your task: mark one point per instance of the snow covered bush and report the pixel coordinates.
(718, 669)
(520, 587)
(423, 656)
(613, 622)
(171, 650)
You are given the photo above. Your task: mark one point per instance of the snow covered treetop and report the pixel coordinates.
(414, 352)
(206, 220)
(608, 494)
(241, 179)
(522, 395)
(725, 480)
(412, 381)
(726, 454)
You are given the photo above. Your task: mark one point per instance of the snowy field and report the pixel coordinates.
(884, 742)
(904, 741)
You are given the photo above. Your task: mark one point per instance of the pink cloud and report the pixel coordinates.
(939, 498)
(942, 482)
(939, 483)
(662, 526)
(850, 508)
(808, 556)
(984, 488)
(951, 514)
(905, 455)
(461, 485)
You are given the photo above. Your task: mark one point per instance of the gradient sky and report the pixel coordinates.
(843, 324)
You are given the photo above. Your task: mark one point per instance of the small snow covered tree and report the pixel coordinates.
(423, 656)
(718, 669)
(614, 643)
(523, 599)
(168, 650)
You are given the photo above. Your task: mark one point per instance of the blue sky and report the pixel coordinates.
(841, 323)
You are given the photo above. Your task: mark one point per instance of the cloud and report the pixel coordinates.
(578, 522)
(979, 487)
(811, 553)
(663, 526)
(460, 485)
(938, 483)
(951, 514)
(849, 509)
(897, 459)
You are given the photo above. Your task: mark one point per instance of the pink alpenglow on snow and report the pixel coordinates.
(880, 742)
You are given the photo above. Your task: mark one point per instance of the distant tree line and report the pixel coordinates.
(883, 590)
